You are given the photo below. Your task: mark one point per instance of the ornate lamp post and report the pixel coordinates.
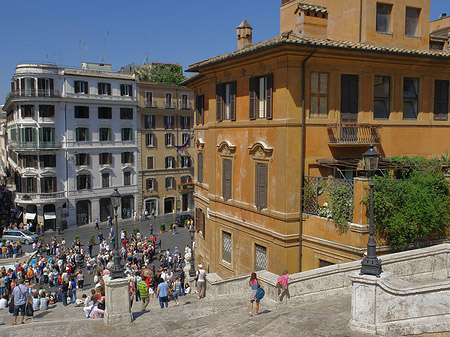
(192, 233)
(371, 265)
(117, 270)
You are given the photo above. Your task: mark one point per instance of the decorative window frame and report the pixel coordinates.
(260, 152)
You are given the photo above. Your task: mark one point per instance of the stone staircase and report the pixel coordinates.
(193, 317)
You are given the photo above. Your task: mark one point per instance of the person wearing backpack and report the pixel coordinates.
(143, 292)
(254, 284)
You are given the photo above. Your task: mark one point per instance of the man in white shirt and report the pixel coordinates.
(201, 281)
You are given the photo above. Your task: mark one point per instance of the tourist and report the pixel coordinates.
(176, 289)
(282, 285)
(143, 293)
(162, 293)
(254, 283)
(20, 294)
(200, 277)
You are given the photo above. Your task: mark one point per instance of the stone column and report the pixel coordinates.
(360, 188)
(118, 308)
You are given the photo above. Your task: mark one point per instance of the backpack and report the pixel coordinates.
(260, 293)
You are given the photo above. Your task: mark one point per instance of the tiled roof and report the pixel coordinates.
(309, 7)
(292, 39)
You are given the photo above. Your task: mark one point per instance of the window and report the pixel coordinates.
(441, 100)
(27, 111)
(45, 87)
(46, 110)
(127, 157)
(260, 257)
(319, 94)
(105, 158)
(148, 99)
(185, 161)
(184, 138)
(226, 101)
(184, 101)
(226, 247)
(83, 182)
(169, 139)
(104, 134)
(168, 122)
(149, 121)
(410, 97)
(150, 139)
(169, 101)
(384, 18)
(105, 179)
(82, 134)
(104, 113)
(104, 88)
(199, 109)
(81, 111)
(261, 186)
(126, 113)
(381, 97)
(30, 185)
(150, 184)
(126, 90)
(186, 179)
(127, 178)
(48, 160)
(185, 122)
(29, 135)
(200, 221)
(226, 178)
(83, 159)
(81, 87)
(200, 167)
(29, 161)
(46, 135)
(349, 94)
(48, 185)
(127, 134)
(28, 87)
(170, 162)
(150, 163)
(261, 97)
(412, 21)
(170, 182)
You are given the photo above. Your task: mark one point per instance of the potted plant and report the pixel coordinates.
(92, 239)
(135, 231)
(162, 227)
(77, 237)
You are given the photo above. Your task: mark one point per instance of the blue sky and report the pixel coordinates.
(122, 32)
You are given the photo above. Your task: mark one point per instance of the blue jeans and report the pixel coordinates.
(64, 299)
(162, 301)
(73, 295)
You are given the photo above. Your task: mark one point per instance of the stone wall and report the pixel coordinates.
(431, 263)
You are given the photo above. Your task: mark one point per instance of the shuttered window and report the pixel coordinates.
(261, 97)
(105, 179)
(226, 178)
(441, 100)
(261, 186)
(149, 184)
(349, 94)
(200, 221)
(226, 247)
(200, 167)
(319, 94)
(150, 139)
(199, 108)
(150, 163)
(105, 158)
(226, 101)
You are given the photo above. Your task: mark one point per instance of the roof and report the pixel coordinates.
(310, 7)
(245, 24)
(291, 39)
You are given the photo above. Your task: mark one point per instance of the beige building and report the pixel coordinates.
(165, 119)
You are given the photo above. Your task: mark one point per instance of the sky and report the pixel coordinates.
(117, 32)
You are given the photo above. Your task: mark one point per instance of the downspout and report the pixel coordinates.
(302, 158)
(360, 19)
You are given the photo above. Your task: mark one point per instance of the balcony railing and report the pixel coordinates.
(348, 134)
(186, 106)
(152, 104)
(34, 93)
(189, 186)
(35, 145)
(36, 197)
(170, 105)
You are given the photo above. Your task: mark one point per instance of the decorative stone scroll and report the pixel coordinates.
(260, 151)
(226, 149)
(200, 144)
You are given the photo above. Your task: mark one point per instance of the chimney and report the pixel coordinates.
(244, 35)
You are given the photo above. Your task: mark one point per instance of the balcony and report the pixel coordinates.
(183, 187)
(38, 197)
(152, 104)
(186, 106)
(170, 105)
(350, 134)
(34, 93)
(25, 146)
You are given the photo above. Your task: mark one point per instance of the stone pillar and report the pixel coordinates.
(118, 308)
(360, 188)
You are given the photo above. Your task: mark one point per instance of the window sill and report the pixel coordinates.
(385, 33)
(226, 265)
(413, 36)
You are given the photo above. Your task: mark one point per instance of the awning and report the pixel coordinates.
(30, 216)
(49, 215)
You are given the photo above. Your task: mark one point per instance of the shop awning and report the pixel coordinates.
(49, 215)
(30, 216)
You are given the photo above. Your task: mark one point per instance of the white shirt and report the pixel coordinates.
(3, 303)
(201, 275)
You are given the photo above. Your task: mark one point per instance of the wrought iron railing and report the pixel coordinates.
(38, 196)
(35, 145)
(350, 133)
(319, 193)
(35, 93)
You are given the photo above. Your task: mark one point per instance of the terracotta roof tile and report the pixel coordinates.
(310, 7)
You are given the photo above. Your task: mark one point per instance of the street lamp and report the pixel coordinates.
(192, 233)
(117, 270)
(371, 265)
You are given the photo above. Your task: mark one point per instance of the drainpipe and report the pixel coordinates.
(302, 157)
(360, 19)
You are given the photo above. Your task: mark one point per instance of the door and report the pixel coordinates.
(349, 108)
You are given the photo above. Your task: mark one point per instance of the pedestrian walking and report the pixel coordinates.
(97, 224)
(163, 294)
(143, 293)
(200, 277)
(254, 284)
(282, 285)
(21, 297)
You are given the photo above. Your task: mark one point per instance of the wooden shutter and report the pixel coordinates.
(149, 163)
(233, 100)
(197, 109)
(34, 185)
(441, 100)
(109, 88)
(226, 176)
(52, 87)
(122, 90)
(13, 87)
(349, 94)
(22, 85)
(86, 88)
(53, 135)
(165, 122)
(88, 159)
(188, 122)
(261, 185)
(99, 88)
(54, 187)
(219, 102)
(269, 96)
(252, 97)
(40, 135)
(200, 168)
(33, 87)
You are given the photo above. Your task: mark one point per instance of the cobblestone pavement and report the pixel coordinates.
(193, 317)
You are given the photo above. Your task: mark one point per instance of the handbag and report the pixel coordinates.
(29, 309)
(260, 293)
(11, 306)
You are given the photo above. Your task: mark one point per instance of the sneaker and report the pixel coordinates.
(250, 313)
(256, 314)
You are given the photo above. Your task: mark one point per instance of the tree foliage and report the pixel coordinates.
(166, 73)
(411, 205)
(341, 205)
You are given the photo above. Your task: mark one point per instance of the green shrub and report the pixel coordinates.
(77, 237)
(92, 239)
(162, 227)
(135, 231)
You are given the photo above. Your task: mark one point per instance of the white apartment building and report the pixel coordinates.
(71, 140)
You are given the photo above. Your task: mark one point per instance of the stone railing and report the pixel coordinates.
(419, 264)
